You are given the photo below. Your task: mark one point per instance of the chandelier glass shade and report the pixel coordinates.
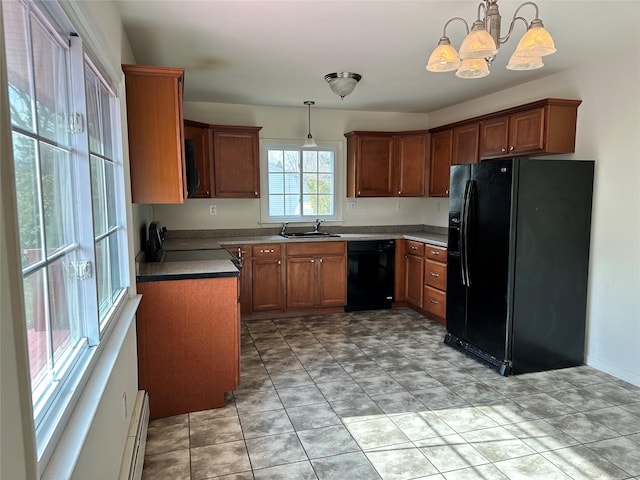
(483, 41)
(342, 83)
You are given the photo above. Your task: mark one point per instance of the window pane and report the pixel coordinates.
(276, 205)
(276, 160)
(325, 162)
(98, 196)
(26, 171)
(110, 187)
(58, 197)
(292, 183)
(18, 76)
(106, 122)
(291, 161)
(276, 183)
(310, 205)
(325, 183)
(292, 205)
(310, 161)
(37, 326)
(93, 113)
(108, 273)
(64, 304)
(325, 204)
(50, 69)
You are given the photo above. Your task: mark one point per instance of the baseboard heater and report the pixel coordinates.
(133, 457)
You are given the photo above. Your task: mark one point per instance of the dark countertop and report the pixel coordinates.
(146, 272)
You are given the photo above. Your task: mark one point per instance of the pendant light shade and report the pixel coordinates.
(537, 42)
(473, 68)
(478, 43)
(444, 58)
(524, 63)
(309, 142)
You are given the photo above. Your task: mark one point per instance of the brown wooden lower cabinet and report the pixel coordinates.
(267, 277)
(316, 274)
(188, 334)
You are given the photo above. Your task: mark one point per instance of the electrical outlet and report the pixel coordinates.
(351, 205)
(213, 210)
(398, 205)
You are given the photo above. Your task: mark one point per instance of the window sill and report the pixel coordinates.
(59, 458)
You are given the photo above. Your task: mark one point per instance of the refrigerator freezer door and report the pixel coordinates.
(456, 291)
(488, 258)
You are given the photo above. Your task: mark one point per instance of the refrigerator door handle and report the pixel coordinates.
(464, 234)
(471, 184)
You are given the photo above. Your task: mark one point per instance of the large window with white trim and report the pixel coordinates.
(301, 183)
(70, 201)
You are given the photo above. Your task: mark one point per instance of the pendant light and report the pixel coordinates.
(309, 142)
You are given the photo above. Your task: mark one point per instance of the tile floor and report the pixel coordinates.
(377, 395)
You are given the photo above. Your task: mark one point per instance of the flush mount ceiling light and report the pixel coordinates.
(342, 83)
(481, 44)
(309, 142)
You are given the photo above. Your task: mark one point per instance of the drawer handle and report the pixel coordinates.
(433, 252)
(435, 302)
(433, 274)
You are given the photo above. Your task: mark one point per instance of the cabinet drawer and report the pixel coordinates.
(439, 254)
(266, 251)
(435, 301)
(435, 274)
(414, 248)
(316, 248)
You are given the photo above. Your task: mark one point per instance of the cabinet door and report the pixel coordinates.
(414, 279)
(243, 253)
(465, 144)
(374, 164)
(236, 165)
(200, 135)
(494, 137)
(441, 147)
(267, 289)
(410, 165)
(526, 131)
(301, 282)
(156, 139)
(332, 281)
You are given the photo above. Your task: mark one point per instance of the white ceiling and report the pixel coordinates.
(276, 53)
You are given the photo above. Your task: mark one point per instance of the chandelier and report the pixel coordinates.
(481, 44)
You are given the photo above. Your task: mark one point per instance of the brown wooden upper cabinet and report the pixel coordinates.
(386, 164)
(465, 144)
(200, 135)
(440, 163)
(236, 161)
(156, 139)
(544, 127)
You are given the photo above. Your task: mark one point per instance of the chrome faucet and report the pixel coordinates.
(317, 225)
(283, 232)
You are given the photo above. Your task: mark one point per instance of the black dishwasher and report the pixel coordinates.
(370, 274)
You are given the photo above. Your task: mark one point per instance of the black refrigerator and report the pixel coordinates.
(517, 262)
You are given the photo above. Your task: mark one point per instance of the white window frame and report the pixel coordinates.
(52, 414)
(338, 188)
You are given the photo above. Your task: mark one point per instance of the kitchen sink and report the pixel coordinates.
(308, 234)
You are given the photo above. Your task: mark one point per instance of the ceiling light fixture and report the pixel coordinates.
(342, 83)
(309, 142)
(481, 44)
